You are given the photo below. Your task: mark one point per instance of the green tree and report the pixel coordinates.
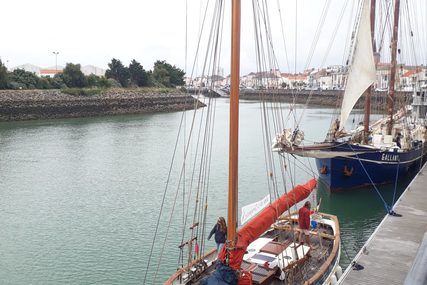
(92, 80)
(73, 76)
(104, 82)
(117, 71)
(113, 83)
(44, 83)
(21, 79)
(150, 79)
(98, 81)
(138, 76)
(56, 82)
(4, 83)
(167, 75)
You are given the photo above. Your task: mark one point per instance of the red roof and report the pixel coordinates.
(297, 77)
(50, 71)
(409, 73)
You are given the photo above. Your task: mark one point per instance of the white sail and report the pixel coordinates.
(362, 69)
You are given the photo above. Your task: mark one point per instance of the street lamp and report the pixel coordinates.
(56, 59)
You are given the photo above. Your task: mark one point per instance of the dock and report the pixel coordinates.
(398, 244)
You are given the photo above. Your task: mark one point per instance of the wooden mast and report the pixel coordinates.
(370, 89)
(390, 98)
(234, 125)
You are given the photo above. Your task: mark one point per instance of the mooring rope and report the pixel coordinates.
(386, 206)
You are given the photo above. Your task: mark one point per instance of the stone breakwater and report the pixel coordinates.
(16, 105)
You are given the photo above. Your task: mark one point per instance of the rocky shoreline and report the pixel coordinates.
(18, 105)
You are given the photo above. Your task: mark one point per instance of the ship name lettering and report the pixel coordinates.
(390, 157)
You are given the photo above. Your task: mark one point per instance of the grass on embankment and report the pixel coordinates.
(82, 91)
(98, 91)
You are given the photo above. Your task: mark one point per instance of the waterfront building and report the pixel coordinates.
(329, 78)
(49, 72)
(299, 81)
(92, 69)
(52, 70)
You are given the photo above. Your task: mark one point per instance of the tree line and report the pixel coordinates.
(117, 75)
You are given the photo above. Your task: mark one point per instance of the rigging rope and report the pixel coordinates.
(260, 17)
(204, 169)
(316, 38)
(386, 206)
(331, 41)
(174, 202)
(163, 201)
(283, 35)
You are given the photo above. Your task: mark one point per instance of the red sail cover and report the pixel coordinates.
(262, 222)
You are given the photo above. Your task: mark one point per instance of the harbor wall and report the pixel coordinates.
(16, 105)
(330, 98)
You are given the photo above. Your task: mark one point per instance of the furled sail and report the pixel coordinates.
(362, 69)
(262, 222)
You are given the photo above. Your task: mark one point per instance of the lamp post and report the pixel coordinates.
(56, 60)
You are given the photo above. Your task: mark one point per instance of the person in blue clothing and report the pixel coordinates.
(220, 231)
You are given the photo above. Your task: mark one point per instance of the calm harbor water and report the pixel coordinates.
(80, 198)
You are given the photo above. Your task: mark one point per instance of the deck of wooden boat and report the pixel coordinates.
(388, 255)
(318, 255)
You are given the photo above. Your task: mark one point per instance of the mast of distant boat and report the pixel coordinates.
(234, 126)
(370, 89)
(390, 98)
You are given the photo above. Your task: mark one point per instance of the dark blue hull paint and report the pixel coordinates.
(371, 166)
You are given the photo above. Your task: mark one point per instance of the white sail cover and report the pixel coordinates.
(362, 69)
(249, 211)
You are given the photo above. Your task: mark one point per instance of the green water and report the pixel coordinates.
(80, 198)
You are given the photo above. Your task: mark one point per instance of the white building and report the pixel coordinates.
(412, 77)
(325, 82)
(52, 70)
(49, 72)
(298, 81)
(92, 69)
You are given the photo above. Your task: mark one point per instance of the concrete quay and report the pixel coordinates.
(396, 253)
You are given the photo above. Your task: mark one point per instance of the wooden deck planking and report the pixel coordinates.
(388, 254)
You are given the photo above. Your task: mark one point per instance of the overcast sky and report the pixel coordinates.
(95, 31)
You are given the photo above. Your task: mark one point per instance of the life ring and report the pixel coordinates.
(324, 169)
(347, 172)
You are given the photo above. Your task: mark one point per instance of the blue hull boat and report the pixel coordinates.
(368, 166)
(374, 152)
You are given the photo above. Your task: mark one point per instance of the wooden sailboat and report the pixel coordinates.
(376, 152)
(265, 250)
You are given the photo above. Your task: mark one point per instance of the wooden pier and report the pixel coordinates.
(389, 253)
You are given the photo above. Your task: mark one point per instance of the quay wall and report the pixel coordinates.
(330, 98)
(17, 105)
